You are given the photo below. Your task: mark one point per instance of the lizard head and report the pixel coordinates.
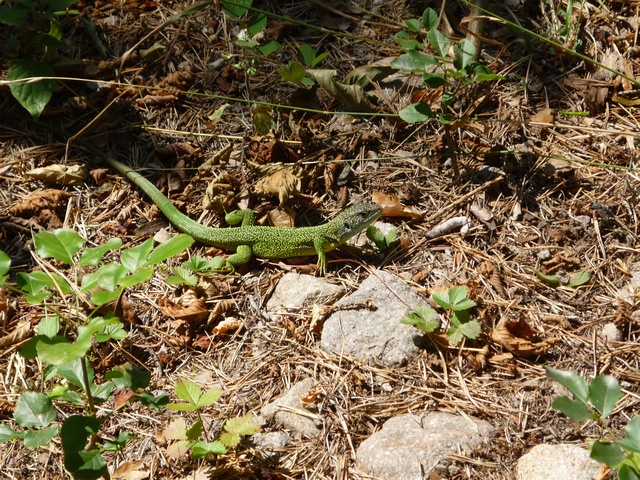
(355, 219)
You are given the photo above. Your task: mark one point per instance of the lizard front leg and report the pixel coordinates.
(243, 255)
(319, 246)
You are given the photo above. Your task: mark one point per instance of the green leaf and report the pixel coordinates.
(115, 332)
(209, 397)
(574, 409)
(434, 80)
(423, 318)
(5, 265)
(242, 426)
(34, 409)
(136, 257)
(464, 51)
(629, 471)
(151, 401)
(188, 391)
(237, 8)
(455, 335)
(552, 280)
(102, 392)
(416, 112)
(458, 299)
(76, 430)
(439, 41)
(38, 280)
(218, 113)
(257, 24)
(269, 47)
(262, 119)
(200, 449)
(89, 465)
(442, 299)
(195, 431)
(119, 443)
(579, 278)
(604, 393)
(171, 248)
(571, 381)
(15, 16)
(106, 277)
(294, 72)
(102, 297)
(39, 438)
(307, 55)
(49, 326)
(471, 329)
(32, 95)
(631, 441)
(319, 58)
(413, 24)
(182, 275)
(7, 434)
(413, 61)
(61, 244)
(72, 372)
(129, 376)
(608, 453)
(429, 18)
(91, 257)
(141, 276)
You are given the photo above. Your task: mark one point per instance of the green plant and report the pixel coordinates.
(65, 340)
(34, 38)
(382, 241)
(596, 400)
(457, 305)
(186, 438)
(197, 264)
(436, 70)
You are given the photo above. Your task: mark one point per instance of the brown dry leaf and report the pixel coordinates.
(220, 193)
(20, 333)
(178, 449)
(48, 199)
(72, 175)
(230, 324)
(393, 207)
(517, 337)
(310, 397)
(169, 153)
(180, 80)
(150, 100)
(194, 312)
(546, 115)
(175, 430)
(131, 471)
(282, 217)
(219, 158)
(284, 183)
(122, 397)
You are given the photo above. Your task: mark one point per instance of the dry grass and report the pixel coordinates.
(533, 209)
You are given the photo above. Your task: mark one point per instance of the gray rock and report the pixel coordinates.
(267, 443)
(408, 447)
(375, 333)
(295, 291)
(289, 412)
(568, 462)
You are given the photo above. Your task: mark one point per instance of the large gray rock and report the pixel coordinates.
(373, 332)
(409, 446)
(295, 291)
(565, 461)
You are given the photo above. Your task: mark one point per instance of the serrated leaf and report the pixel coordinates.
(209, 397)
(32, 95)
(454, 334)
(242, 425)
(91, 257)
(574, 409)
(176, 429)
(416, 112)
(182, 275)
(34, 409)
(458, 297)
(195, 431)
(571, 381)
(442, 299)
(471, 329)
(200, 449)
(604, 393)
(61, 244)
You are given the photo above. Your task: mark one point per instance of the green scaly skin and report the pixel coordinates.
(250, 240)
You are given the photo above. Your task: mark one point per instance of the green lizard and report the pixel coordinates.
(250, 240)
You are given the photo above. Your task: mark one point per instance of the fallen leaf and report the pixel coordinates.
(392, 207)
(194, 311)
(131, 471)
(524, 347)
(49, 199)
(122, 397)
(283, 183)
(59, 173)
(230, 324)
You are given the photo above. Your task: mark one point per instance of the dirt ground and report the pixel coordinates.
(551, 191)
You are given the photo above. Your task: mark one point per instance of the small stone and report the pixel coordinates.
(611, 333)
(565, 461)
